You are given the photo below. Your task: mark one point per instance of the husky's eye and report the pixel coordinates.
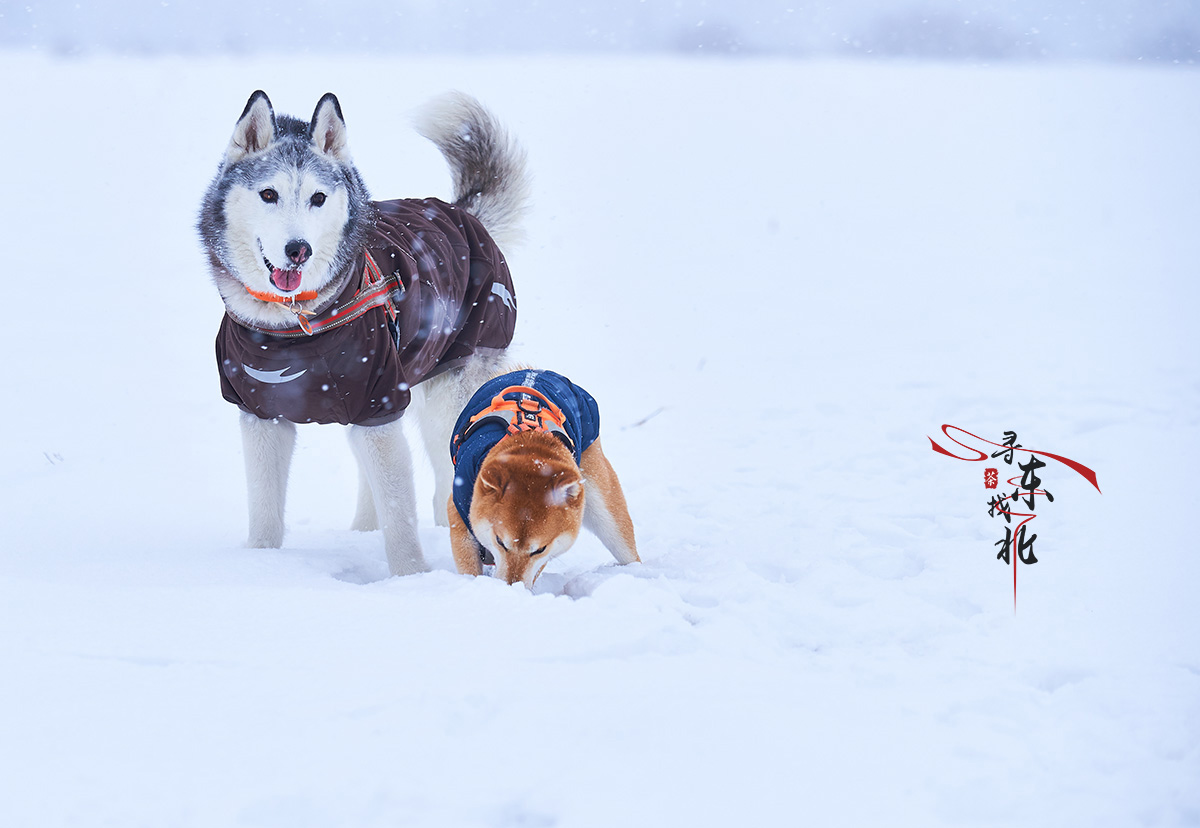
(268, 195)
(500, 543)
(537, 552)
(317, 199)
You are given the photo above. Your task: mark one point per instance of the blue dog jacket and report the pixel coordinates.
(470, 443)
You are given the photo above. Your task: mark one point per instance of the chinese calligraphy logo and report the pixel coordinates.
(1017, 544)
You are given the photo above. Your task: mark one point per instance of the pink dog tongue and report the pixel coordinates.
(286, 279)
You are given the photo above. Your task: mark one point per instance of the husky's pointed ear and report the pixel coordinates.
(255, 130)
(328, 129)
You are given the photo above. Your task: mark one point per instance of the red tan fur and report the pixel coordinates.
(529, 502)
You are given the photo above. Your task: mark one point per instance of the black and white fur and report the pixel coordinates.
(287, 196)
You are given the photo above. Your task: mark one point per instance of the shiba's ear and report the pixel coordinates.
(255, 130)
(566, 492)
(493, 479)
(328, 128)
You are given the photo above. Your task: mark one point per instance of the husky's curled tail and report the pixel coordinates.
(488, 166)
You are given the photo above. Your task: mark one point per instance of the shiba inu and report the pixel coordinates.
(338, 306)
(528, 473)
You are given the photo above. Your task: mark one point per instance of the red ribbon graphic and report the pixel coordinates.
(1084, 471)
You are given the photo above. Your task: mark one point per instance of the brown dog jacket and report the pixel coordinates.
(452, 295)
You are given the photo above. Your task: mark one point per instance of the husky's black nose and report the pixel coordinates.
(298, 251)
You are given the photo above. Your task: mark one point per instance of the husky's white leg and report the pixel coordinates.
(267, 449)
(383, 452)
(441, 400)
(436, 416)
(605, 513)
(365, 519)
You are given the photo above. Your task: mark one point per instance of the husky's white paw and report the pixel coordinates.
(406, 559)
(364, 523)
(271, 541)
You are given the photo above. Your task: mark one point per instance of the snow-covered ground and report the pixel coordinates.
(778, 279)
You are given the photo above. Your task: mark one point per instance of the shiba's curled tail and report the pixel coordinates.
(488, 166)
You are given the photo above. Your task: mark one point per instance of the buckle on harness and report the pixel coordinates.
(519, 408)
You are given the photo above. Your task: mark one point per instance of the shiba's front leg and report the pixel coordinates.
(462, 544)
(383, 454)
(267, 450)
(605, 512)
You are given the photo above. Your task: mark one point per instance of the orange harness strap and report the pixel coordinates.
(530, 411)
(302, 296)
(524, 414)
(374, 291)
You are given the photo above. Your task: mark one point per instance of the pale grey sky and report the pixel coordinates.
(1157, 30)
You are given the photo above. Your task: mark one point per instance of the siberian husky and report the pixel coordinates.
(528, 473)
(337, 305)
